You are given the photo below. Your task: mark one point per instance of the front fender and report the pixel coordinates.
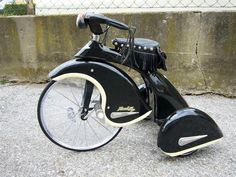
(121, 99)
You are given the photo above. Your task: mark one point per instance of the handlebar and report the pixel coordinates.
(94, 22)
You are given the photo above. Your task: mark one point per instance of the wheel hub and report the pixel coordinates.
(71, 115)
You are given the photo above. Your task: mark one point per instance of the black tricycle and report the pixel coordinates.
(89, 100)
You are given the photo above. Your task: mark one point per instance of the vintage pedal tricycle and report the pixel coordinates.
(89, 100)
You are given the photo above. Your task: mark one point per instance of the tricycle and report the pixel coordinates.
(89, 99)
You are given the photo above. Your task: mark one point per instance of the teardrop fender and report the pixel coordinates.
(187, 130)
(121, 99)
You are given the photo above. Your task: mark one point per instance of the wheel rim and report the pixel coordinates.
(59, 115)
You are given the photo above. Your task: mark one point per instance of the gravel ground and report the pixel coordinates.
(25, 151)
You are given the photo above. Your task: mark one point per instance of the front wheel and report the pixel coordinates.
(59, 114)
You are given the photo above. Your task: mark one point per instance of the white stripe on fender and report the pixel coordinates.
(174, 154)
(104, 98)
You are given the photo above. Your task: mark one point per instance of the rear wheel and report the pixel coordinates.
(188, 153)
(59, 114)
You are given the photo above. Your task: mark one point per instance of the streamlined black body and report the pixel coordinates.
(120, 89)
(183, 129)
(96, 56)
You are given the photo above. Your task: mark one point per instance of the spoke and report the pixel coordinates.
(93, 130)
(94, 99)
(73, 95)
(66, 98)
(56, 120)
(82, 86)
(65, 121)
(56, 106)
(66, 118)
(97, 96)
(67, 129)
(85, 134)
(58, 125)
(76, 134)
(59, 113)
(101, 125)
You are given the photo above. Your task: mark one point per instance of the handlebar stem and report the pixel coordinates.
(96, 37)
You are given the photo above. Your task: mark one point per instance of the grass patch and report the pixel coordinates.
(15, 9)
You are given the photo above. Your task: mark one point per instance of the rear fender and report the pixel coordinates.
(187, 130)
(121, 99)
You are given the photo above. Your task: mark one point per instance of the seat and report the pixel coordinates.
(140, 44)
(147, 55)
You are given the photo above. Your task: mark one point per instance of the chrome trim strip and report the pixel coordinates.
(115, 115)
(186, 140)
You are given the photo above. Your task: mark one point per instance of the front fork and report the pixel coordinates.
(88, 91)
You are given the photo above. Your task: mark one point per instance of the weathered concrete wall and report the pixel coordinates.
(201, 46)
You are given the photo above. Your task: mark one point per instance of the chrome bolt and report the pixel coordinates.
(92, 70)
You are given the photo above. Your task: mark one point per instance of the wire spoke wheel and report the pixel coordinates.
(59, 115)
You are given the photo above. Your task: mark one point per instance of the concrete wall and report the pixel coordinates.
(201, 46)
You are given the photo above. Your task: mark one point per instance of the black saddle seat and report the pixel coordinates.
(147, 53)
(140, 44)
